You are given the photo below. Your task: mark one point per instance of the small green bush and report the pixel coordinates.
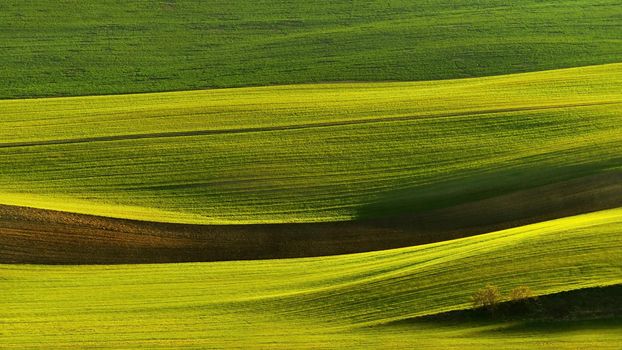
(520, 293)
(487, 297)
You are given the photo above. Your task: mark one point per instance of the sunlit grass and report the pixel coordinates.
(327, 302)
(307, 153)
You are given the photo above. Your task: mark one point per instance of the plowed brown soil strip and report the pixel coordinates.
(38, 236)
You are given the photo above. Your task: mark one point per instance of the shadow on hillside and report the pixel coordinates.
(588, 308)
(399, 219)
(499, 200)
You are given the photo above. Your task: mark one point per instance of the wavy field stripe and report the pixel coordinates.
(310, 153)
(329, 302)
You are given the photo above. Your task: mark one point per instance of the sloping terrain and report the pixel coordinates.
(578, 304)
(328, 302)
(311, 153)
(361, 169)
(68, 48)
(38, 236)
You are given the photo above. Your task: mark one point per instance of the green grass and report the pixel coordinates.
(330, 302)
(432, 104)
(53, 48)
(306, 153)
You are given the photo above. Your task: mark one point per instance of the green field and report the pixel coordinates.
(191, 174)
(53, 48)
(330, 302)
(309, 153)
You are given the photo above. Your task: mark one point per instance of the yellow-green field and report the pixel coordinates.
(328, 174)
(309, 153)
(344, 301)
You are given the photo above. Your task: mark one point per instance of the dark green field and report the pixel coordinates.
(62, 48)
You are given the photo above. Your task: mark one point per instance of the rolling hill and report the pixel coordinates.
(39, 236)
(284, 174)
(304, 170)
(310, 153)
(327, 302)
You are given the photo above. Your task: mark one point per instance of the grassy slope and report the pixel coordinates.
(578, 304)
(38, 236)
(53, 48)
(318, 302)
(307, 153)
